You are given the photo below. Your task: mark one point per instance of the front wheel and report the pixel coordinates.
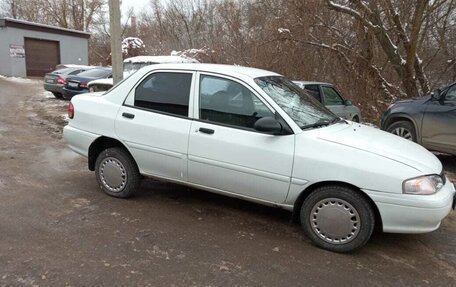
(404, 129)
(116, 172)
(337, 218)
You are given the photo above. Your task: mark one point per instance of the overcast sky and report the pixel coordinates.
(136, 4)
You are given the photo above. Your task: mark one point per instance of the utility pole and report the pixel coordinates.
(116, 49)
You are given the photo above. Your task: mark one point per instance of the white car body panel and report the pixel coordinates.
(256, 165)
(263, 168)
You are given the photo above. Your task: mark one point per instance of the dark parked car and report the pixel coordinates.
(329, 96)
(55, 80)
(76, 85)
(429, 121)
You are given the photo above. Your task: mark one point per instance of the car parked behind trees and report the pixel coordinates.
(429, 121)
(328, 95)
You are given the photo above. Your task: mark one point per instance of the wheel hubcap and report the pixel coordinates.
(335, 221)
(403, 133)
(113, 174)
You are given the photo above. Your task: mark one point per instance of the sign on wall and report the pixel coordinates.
(17, 51)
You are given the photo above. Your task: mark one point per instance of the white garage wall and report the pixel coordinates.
(73, 50)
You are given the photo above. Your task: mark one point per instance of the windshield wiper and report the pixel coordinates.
(324, 123)
(338, 120)
(315, 125)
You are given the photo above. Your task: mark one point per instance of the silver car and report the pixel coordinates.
(328, 95)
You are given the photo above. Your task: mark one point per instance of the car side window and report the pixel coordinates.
(165, 92)
(228, 102)
(332, 98)
(451, 94)
(314, 91)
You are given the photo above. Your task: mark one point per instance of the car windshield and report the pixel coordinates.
(95, 73)
(302, 108)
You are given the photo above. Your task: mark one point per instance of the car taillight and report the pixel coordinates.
(71, 111)
(61, 81)
(83, 85)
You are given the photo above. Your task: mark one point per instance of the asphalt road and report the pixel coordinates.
(57, 228)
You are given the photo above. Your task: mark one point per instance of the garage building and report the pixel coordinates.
(30, 49)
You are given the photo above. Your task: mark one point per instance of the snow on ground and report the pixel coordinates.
(283, 30)
(47, 95)
(19, 80)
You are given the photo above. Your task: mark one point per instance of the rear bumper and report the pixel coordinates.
(68, 94)
(54, 88)
(405, 213)
(78, 140)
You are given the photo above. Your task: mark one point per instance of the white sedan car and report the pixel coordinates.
(254, 135)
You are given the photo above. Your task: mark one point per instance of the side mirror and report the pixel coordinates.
(436, 94)
(348, 103)
(268, 125)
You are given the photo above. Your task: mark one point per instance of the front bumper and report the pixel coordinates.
(406, 213)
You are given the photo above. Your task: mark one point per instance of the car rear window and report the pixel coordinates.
(95, 73)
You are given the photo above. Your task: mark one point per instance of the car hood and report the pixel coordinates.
(416, 100)
(386, 145)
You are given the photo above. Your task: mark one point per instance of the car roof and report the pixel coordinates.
(229, 70)
(159, 59)
(312, 83)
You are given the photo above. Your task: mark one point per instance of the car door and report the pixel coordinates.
(226, 153)
(334, 102)
(154, 123)
(439, 123)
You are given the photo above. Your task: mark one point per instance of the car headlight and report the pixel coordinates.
(428, 184)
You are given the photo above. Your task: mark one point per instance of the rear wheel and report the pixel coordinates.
(355, 119)
(57, 95)
(117, 173)
(404, 129)
(337, 218)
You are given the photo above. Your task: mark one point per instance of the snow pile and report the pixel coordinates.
(47, 95)
(283, 30)
(19, 80)
(130, 43)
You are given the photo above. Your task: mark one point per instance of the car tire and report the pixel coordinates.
(57, 95)
(117, 173)
(355, 119)
(337, 218)
(404, 129)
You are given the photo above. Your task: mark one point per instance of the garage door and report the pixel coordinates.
(41, 56)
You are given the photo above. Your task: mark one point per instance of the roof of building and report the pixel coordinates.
(26, 25)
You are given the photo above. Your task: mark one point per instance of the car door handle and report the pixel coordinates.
(207, 131)
(128, 115)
